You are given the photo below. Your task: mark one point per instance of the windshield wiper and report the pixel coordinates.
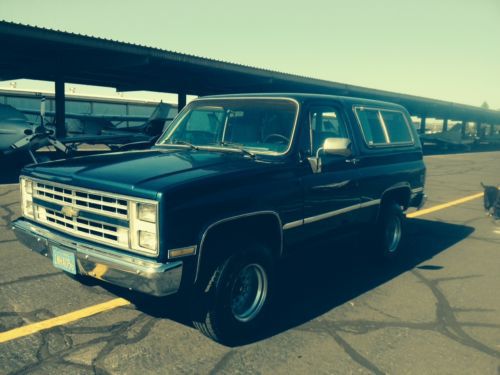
(239, 148)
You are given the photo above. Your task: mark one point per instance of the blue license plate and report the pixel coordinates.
(63, 260)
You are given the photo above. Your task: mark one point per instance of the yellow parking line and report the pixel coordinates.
(61, 320)
(117, 302)
(444, 205)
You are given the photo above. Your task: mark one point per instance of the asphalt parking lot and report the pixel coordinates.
(436, 310)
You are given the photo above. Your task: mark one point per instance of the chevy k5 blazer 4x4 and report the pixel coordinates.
(233, 185)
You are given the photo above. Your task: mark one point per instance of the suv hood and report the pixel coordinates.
(138, 173)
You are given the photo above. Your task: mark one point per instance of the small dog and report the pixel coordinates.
(491, 200)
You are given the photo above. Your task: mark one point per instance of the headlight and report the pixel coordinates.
(28, 184)
(146, 212)
(27, 198)
(147, 240)
(144, 227)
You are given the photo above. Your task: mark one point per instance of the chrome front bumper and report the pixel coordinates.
(100, 262)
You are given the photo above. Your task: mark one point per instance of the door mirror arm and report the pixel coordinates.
(315, 161)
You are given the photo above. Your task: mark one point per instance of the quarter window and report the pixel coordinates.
(396, 126)
(383, 127)
(372, 126)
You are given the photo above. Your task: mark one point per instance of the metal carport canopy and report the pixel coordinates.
(43, 54)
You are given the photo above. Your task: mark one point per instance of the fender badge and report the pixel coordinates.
(70, 211)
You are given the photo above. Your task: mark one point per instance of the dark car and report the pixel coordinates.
(233, 185)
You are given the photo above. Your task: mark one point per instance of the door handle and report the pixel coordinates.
(353, 161)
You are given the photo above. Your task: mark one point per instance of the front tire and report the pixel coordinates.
(233, 303)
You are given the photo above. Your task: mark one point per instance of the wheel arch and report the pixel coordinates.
(271, 235)
(399, 193)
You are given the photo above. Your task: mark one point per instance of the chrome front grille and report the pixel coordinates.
(98, 203)
(93, 215)
(89, 227)
(102, 203)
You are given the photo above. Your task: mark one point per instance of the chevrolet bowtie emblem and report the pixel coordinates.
(70, 211)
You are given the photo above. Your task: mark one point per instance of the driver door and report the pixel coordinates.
(331, 200)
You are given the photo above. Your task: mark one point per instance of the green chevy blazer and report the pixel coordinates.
(233, 185)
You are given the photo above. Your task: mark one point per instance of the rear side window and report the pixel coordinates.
(372, 127)
(383, 127)
(397, 127)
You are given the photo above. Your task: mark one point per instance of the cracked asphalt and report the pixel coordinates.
(435, 310)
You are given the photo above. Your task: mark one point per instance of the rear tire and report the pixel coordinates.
(389, 230)
(233, 303)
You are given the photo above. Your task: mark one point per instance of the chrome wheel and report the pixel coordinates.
(248, 292)
(393, 233)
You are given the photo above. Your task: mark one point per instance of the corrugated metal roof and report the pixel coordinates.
(144, 48)
(99, 61)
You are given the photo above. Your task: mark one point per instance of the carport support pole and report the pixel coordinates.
(181, 101)
(445, 125)
(422, 125)
(60, 109)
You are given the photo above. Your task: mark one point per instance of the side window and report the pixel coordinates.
(383, 127)
(396, 126)
(325, 123)
(371, 125)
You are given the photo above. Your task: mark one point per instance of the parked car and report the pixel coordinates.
(233, 185)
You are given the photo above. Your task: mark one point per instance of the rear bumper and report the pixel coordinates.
(100, 262)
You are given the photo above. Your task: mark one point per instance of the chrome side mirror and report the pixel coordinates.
(337, 146)
(331, 146)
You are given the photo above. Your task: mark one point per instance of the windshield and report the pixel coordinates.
(257, 125)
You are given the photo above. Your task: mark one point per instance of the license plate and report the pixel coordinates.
(63, 260)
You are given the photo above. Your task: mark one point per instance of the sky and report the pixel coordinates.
(448, 50)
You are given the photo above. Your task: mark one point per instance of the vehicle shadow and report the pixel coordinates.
(314, 285)
(325, 275)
